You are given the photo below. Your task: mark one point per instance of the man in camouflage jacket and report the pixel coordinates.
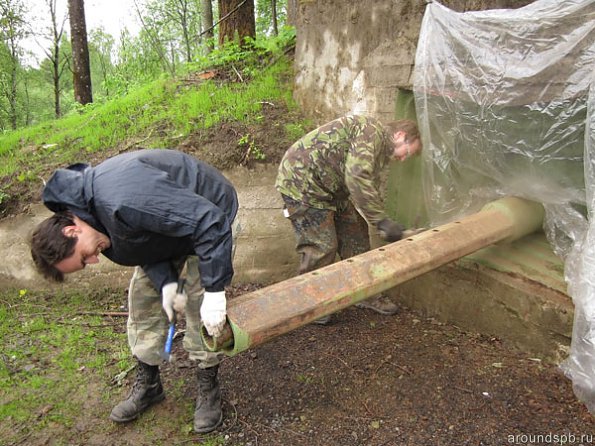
(330, 183)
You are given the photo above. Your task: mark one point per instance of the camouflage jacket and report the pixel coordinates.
(343, 158)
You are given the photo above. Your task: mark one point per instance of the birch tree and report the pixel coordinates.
(58, 64)
(207, 24)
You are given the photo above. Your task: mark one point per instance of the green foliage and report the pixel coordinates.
(3, 197)
(252, 150)
(249, 58)
(174, 23)
(303, 378)
(211, 103)
(138, 63)
(101, 47)
(296, 130)
(264, 16)
(276, 44)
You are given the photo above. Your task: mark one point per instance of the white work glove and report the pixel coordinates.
(213, 311)
(172, 300)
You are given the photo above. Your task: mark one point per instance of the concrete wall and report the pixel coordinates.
(266, 244)
(358, 56)
(353, 55)
(514, 292)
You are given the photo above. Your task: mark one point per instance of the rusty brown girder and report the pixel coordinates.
(260, 316)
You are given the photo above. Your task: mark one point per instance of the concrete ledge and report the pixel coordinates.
(266, 245)
(520, 297)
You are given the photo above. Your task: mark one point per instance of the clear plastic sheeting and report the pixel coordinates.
(505, 102)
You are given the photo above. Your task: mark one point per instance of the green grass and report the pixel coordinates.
(156, 114)
(58, 360)
(49, 349)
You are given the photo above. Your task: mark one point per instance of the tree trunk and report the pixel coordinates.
(54, 55)
(274, 14)
(237, 20)
(184, 23)
(292, 12)
(81, 70)
(207, 23)
(56, 80)
(12, 96)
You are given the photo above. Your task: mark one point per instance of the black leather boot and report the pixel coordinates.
(208, 414)
(146, 391)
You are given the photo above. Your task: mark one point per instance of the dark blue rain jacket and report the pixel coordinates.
(155, 205)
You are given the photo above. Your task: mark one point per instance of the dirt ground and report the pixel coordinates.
(365, 379)
(378, 380)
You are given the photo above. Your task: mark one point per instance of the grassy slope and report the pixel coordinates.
(157, 115)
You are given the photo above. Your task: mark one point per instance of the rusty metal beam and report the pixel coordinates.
(259, 316)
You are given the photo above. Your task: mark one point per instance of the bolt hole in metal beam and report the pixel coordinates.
(261, 315)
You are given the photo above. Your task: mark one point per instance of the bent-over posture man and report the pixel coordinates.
(158, 210)
(330, 183)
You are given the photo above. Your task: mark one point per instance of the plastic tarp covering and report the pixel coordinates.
(505, 102)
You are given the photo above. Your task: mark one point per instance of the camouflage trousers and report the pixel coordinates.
(148, 324)
(322, 234)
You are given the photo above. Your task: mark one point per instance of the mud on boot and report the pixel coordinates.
(380, 304)
(146, 391)
(208, 414)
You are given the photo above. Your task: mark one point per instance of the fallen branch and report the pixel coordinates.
(386, 361)
(120, 376)
(237, 73)
(136, 143)
(105, 313)
(347, 365)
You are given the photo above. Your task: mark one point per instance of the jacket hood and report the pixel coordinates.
(65, 190)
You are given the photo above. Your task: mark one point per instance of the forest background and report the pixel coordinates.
(191, 66)
(175, 37)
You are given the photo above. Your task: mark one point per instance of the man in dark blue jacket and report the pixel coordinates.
(161, 211)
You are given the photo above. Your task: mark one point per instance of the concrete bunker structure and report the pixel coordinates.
(515, 292)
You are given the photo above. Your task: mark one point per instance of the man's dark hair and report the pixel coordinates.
(49, 245)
